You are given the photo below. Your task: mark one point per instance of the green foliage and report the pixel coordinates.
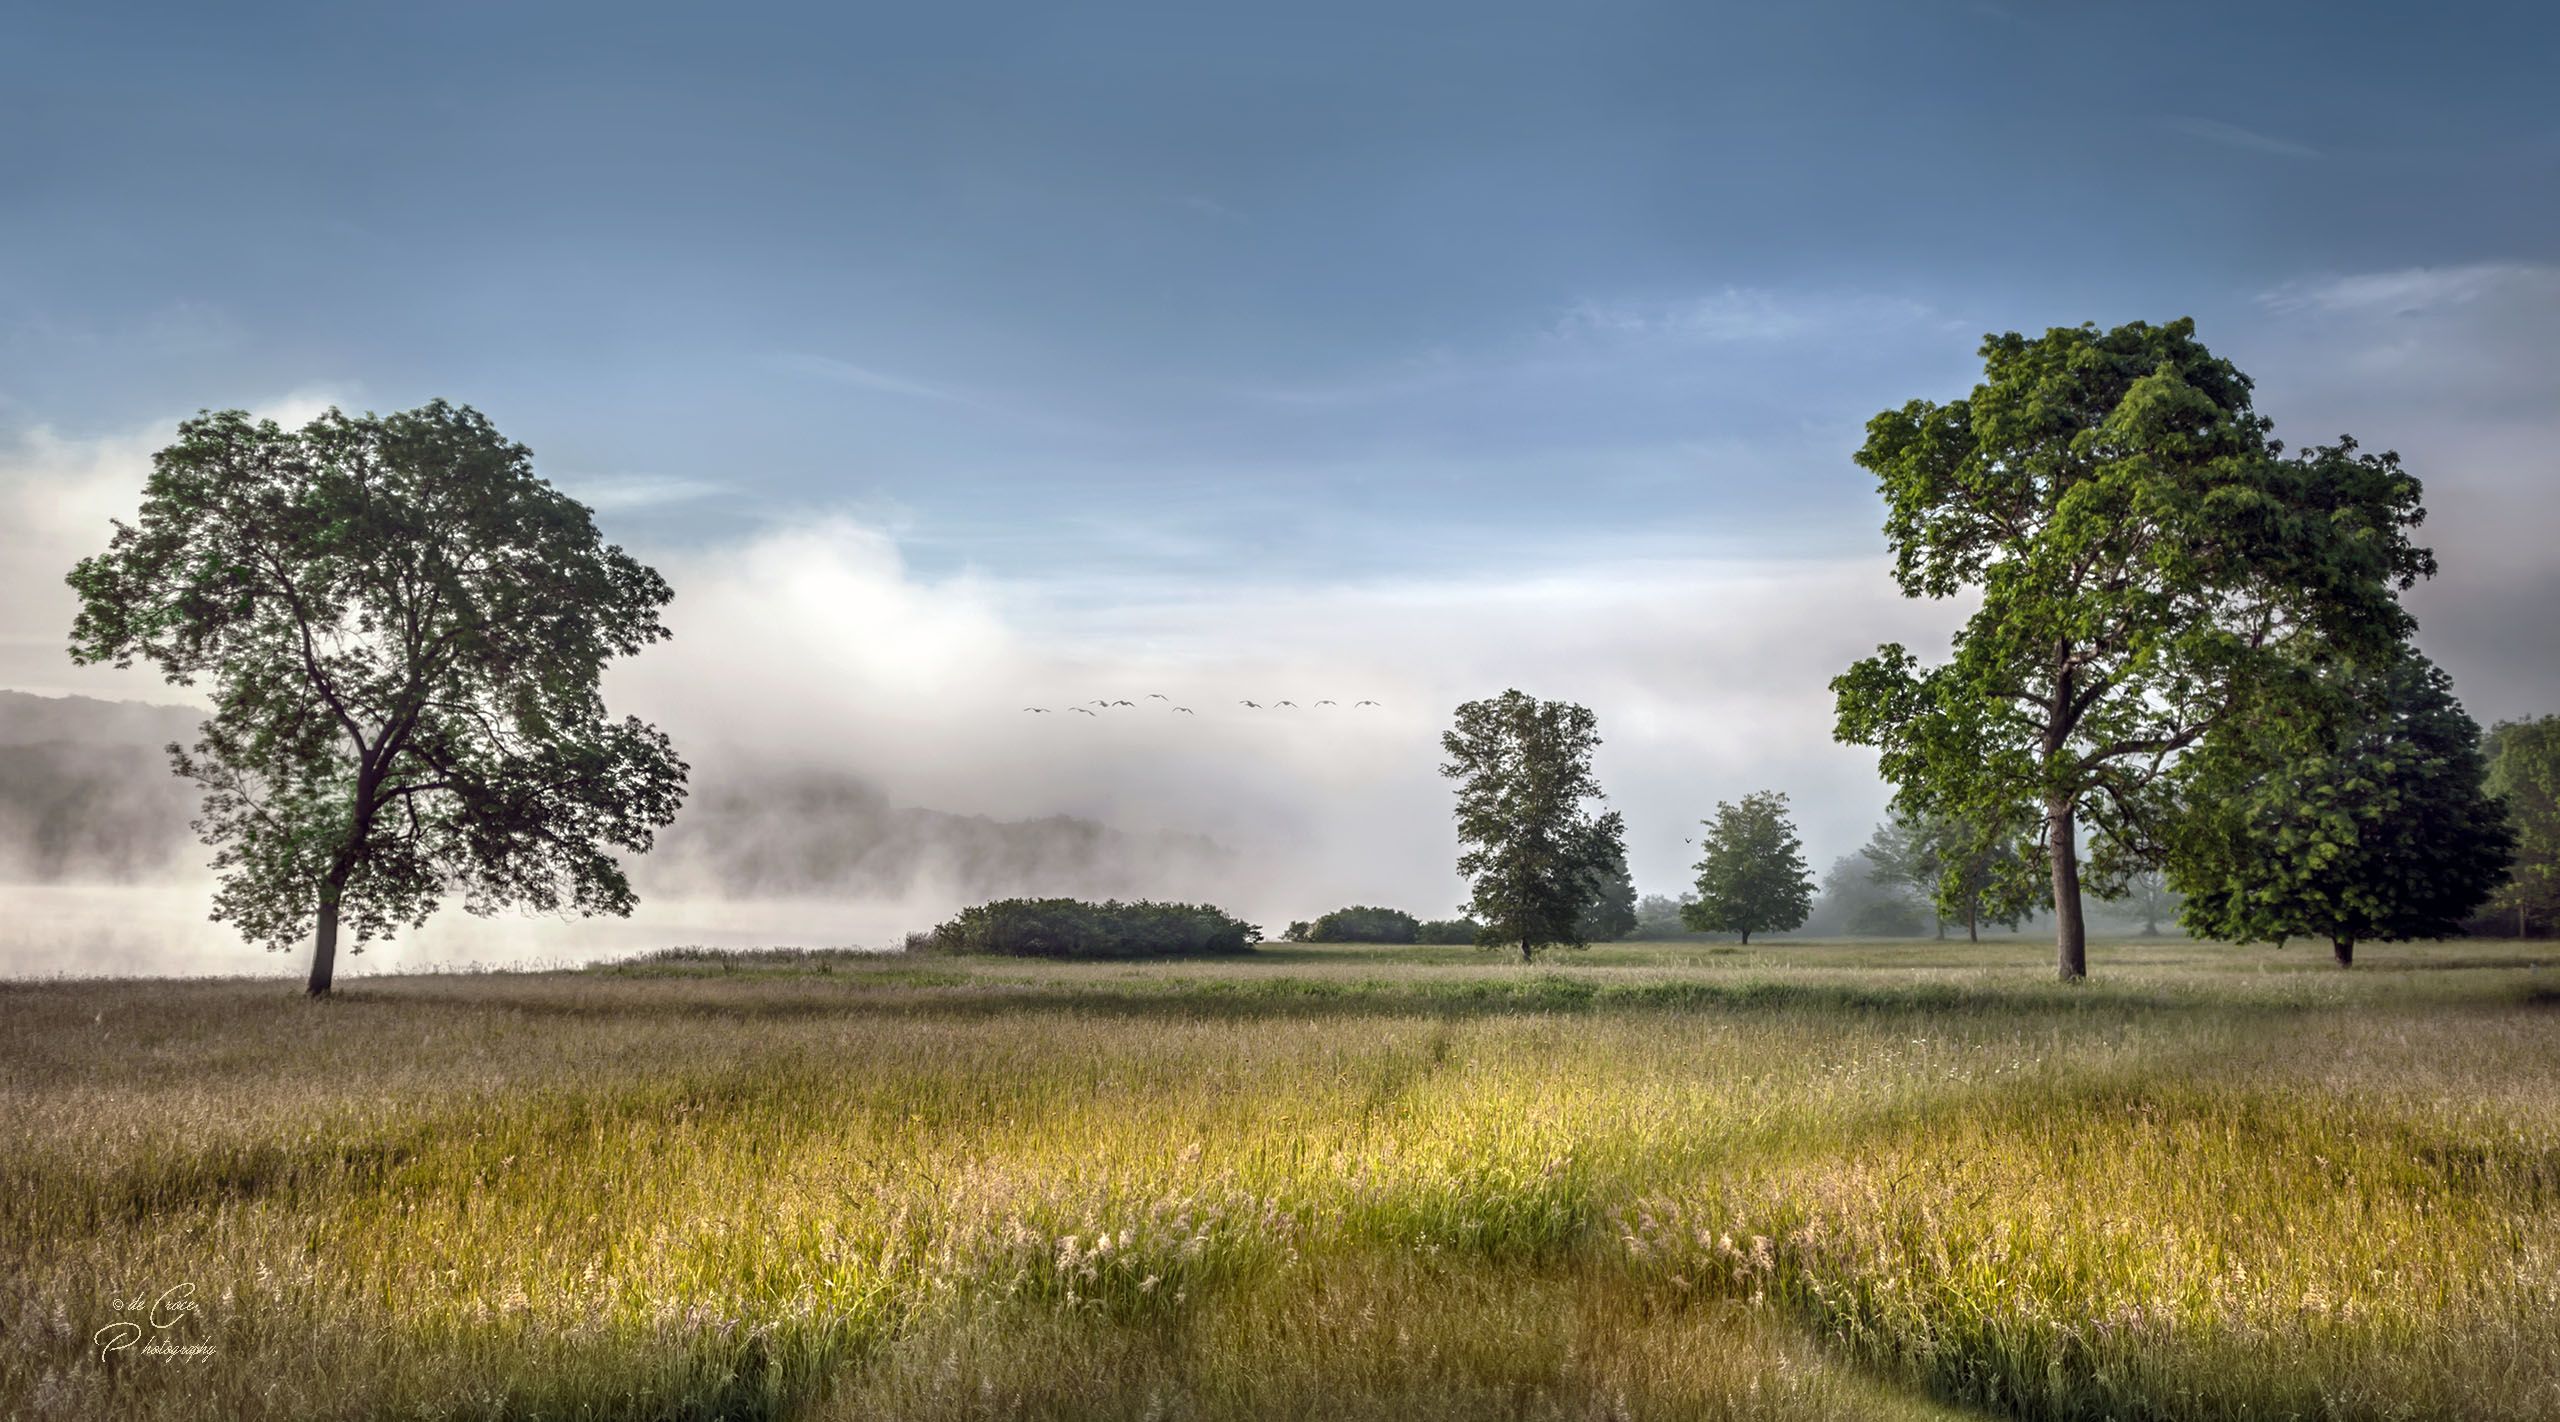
(1752, 877)
(2524, 773)
(406, 632)
(1362, 924)
(1990, 873)
(1297, 931)
(2142, 548)
(1536, 857)
(1448, 930)
(1612, 914)
(2348, 806)
(1075, 928)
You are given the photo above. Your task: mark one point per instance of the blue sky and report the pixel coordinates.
(1268, 284)
(1285, 342)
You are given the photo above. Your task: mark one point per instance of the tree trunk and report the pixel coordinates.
(2345, 948)
(324, 952)
(1746, 935)
(1525, 955)
(1973, 921)
(1942, 924)
(2070, 933)
(2520, 920)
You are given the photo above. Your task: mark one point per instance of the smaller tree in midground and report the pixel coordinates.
(405, 630)
(1903, 855)
(1535, 855)
(2348, 808)
(1752, 877)
(1612, 912)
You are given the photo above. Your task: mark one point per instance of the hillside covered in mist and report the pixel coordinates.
(86, 796)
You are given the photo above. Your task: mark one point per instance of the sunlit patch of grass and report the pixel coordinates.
(1372, 1336)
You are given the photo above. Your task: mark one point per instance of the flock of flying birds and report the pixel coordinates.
(1106, 705)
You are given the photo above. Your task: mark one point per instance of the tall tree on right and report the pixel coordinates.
(2142, 547)
(1752, 877)
(2524, 773)
(2351, 808)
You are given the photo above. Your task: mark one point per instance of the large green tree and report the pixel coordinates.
(2524, 773)
(1752, 877)
(1536, 855)
(2141, 545)
(2349, 808)
(405, 631)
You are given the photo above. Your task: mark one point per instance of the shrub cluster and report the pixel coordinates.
(1361, 924)
(1447, 930)
(1074, 928)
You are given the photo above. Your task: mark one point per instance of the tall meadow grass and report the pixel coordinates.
(1794, 1182)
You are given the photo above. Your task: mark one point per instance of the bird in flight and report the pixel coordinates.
(1356, 705)
(1328, 703)
(1037, 710)
(1256, 705)
(1292, 705)
(1130, 704)
(1158, 696)
(1081, 711)
(1099, 703)
(1187, 711)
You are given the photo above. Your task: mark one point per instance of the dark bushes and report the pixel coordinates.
(1073, 928)
(1364, 925)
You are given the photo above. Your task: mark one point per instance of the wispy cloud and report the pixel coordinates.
(2410, 291)
(2232, 135)
(616, 493)
(863, 377)
(1206, 206)
(1736, 314)
(1603, 334)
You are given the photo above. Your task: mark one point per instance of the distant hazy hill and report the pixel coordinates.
(85, 789)
(829, 833)
(86, 795)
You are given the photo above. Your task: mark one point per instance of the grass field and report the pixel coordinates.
(1799, 1181)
